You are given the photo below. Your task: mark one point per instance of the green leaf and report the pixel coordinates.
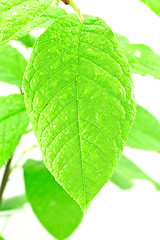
(12, 65)
(143, 60)
(48, 17)
(145, 132)
(79, 95)
(13, 123)
(1, 238)
(127, 172)
(16, 17)
(44, 21)
(28, 40)
(154, 5)
(13, 203)
(54, 208)
(122, 41)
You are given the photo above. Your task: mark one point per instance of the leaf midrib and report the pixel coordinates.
(12, 115)
(77, 98)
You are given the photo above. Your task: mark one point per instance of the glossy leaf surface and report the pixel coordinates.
(79, 95)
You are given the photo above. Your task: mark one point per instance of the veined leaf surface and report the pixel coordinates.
(48, 17)
(44, 21)
(13, 123)
(79, 96)
(17, 15)
(54, 208)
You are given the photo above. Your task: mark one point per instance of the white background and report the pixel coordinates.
(113, 214)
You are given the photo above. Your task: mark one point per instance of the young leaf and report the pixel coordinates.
(143, 60)
(154, 5)
(1, 238)
(79, 95)
(127, 172)
(16, 17)
(12, 65)
(54, 208)
(145, 132)
(13, 203)
(13, 123)
(28, 40)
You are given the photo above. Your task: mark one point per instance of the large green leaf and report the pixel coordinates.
(127, 172)
(143, 60)
(79, 95)
(145, 132)
(154, 5)
(13, 123)
(13, 203)
(16, 17)
(12, 65)
(1, 238)
(54, 208)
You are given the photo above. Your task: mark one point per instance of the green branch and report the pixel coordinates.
(75, 8)
(56, 3)
(5, 179)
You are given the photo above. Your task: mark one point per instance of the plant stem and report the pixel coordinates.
(5, 179)
(65, 1)
(56, 3)
(77, 10)
(28, 131)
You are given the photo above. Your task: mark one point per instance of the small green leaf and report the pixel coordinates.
(54, 208)
(127, 172)
(145, 132)
(13, 123)
(154, 5)
(143, 60)
(16, 17)
(1, 238)
(122, 40)
(28, 40)
(12, 65)
(79, 95)
(13, 203)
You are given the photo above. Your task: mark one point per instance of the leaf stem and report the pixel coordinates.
(28, 131)
(56, 3)
(5, 179)
(77, 10)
